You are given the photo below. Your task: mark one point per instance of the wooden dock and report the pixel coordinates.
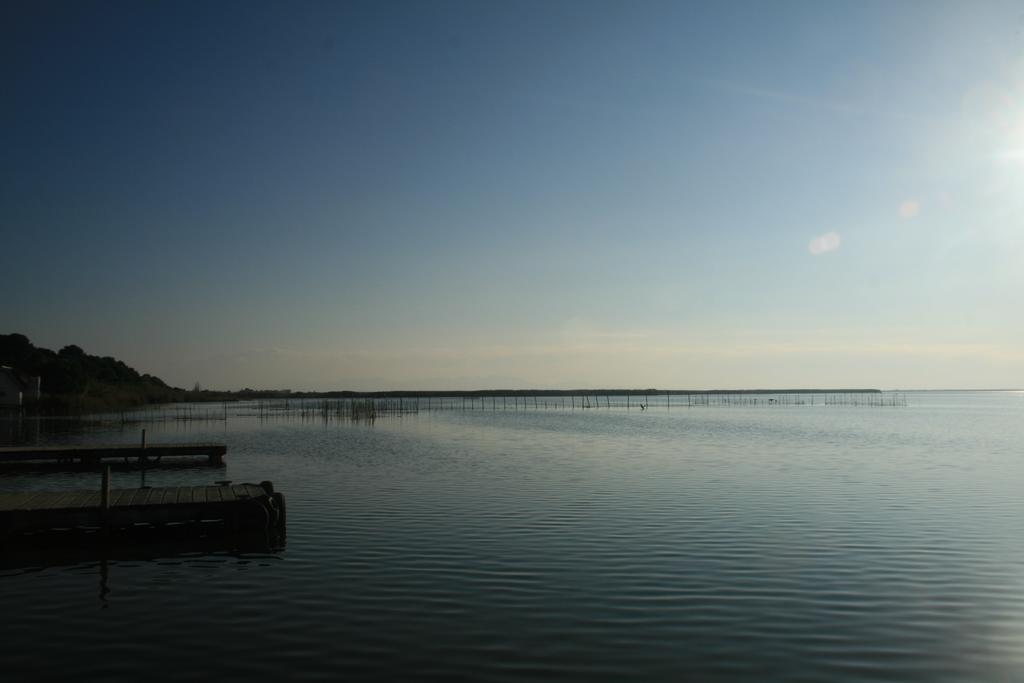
(240, 507)
(147, 455)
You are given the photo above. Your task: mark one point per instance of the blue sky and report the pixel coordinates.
(519, 194)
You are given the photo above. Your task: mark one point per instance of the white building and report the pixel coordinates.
(17, 389)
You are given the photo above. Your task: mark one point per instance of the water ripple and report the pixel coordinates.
(710, 545)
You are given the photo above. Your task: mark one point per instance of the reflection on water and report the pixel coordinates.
(725, 543)
(70, 547)
(85, 555)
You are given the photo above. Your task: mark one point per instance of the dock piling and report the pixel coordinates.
(142, 461)
(105, 496)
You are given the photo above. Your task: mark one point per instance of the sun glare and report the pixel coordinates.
(996, 112)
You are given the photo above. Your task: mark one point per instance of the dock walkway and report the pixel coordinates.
(215, 453)
(240, 507)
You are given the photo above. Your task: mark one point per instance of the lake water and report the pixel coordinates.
(712, 543)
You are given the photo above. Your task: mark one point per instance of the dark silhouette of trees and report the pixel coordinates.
(75, 380)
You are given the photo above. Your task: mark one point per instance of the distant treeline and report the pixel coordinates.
(74, 381)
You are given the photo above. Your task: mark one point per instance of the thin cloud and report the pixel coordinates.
(809, 101)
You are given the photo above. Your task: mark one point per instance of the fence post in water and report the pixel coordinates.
(105, 496)
(142, 461)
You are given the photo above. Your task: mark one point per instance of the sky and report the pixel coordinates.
(458, 195)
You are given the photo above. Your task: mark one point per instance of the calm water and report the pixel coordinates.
(711, 544)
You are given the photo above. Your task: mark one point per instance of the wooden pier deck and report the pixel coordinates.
(240, 507)
(214, 452)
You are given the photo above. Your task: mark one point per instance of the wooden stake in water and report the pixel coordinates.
(105, 495)
(142, 461)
